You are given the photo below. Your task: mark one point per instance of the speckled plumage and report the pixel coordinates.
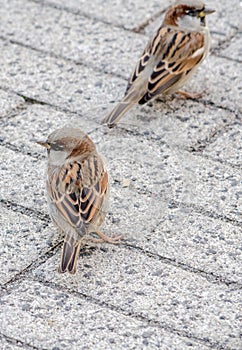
(170, 57)
(77, 190)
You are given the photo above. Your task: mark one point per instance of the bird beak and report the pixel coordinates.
(206, 12)
(43, 144)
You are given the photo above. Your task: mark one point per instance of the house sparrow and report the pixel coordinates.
(77, 190)
(169, 59)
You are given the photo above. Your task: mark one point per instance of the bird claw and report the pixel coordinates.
(103, 238)
(191, 96)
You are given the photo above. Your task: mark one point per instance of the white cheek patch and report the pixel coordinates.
(199, 52)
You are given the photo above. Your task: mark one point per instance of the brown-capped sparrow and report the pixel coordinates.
(77, 190)
(169, 59)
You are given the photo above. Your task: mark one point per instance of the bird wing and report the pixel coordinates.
(78, 190)
(174, 53)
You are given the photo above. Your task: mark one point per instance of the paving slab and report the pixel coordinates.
(116, 12)
(9, 102)
(175, 282)
(188, 183)
(215, 77)
(74, 322)
(234, 50)
(228, 147)
(36, 122)
(74, 37)
(54, 81)
(171, 174)
(27, 186)
(10, 345)
(193, 124)
(22, 240)
(179, 234)
(146, 286)
(174, 174)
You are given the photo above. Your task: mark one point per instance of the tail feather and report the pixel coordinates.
(70, 252)
(121, 108)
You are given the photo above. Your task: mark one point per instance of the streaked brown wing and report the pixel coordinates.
(181, 54)
(143, 61)
(79, 199)
(158, 41)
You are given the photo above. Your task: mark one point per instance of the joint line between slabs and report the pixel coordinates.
(15, 207)
(193, 149)
(209, 276)
(76, 63)
(46, 255)
(78, 12)
(136, 316)
(23, 274)
(14, 341)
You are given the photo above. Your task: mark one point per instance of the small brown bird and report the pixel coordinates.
(169, 59)
(77, 190)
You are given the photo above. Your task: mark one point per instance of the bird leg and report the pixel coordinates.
(188, 95)
(104, 238)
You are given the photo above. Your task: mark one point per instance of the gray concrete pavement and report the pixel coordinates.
(175, 167)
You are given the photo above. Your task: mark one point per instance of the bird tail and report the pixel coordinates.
(121, 108)
(70, 252)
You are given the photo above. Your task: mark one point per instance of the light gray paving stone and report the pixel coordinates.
(211, 186)
(24, 180)
(215, 77)
(7, 345)
(176, 233)
(234, 50)
(207, 244)
(128, 13)
(145, 218)
(153, 168)
(9, 102)
(22, 240)
(49, 318)
(149, 287)
(71, 36)
(228, 147)
(223, 24)
(189, 126)
(151, 183)
(180, 211)
(174, 174)
(37, 122)
(177, 122)
(55, 81)
(30, 191)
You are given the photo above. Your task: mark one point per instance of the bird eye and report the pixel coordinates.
(56, 147)
(191, 13)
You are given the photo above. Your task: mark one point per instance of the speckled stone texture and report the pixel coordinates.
(175, 167)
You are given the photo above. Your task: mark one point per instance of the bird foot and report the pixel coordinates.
(188, 95)
(103, 238)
